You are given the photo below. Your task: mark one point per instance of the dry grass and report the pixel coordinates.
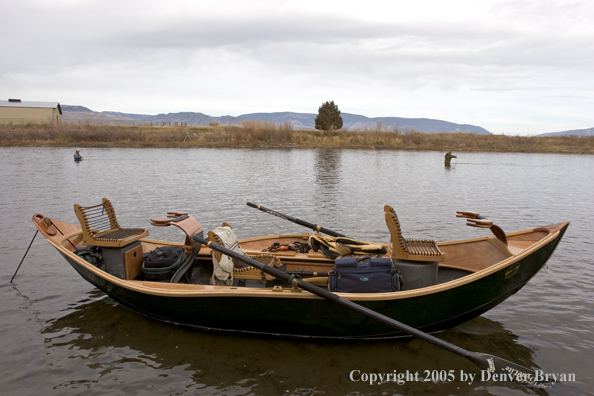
(269, 134)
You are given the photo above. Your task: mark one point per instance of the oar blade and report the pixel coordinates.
(496, 368)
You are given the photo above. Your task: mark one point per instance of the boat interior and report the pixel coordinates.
(99, 240)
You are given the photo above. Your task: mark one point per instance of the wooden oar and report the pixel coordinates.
(490, 363)
(315, 227)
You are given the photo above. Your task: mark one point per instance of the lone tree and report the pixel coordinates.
(328, 118)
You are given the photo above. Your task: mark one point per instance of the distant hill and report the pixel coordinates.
(140, 117)
(298, 120)
(81, 114)
(359, 122)
(575, 132)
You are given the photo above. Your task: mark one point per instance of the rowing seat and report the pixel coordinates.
(226, 237)
(410, 249)
(100, 226)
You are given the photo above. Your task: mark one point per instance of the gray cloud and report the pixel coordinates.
(226, 57)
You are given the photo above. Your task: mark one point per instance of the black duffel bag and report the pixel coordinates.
(363, 275)
(161, 263)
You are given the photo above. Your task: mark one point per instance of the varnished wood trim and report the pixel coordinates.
(206, 291)
(158, 242)
(318, 280)
(499, 245)
(63, 238)
(133, 262)
(458, 267)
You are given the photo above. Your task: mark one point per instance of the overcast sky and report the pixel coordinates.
(513, 67)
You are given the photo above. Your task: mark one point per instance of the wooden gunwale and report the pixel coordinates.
(158, 242)
(206, 291)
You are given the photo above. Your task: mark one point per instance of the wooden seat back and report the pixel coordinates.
(101, 228)
(410, 249)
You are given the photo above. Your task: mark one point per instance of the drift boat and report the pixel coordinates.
(441, 284)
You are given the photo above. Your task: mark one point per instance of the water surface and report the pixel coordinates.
(60, 335)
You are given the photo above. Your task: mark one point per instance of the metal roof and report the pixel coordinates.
(41, 105)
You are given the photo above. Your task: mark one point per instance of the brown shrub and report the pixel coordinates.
(270, 134)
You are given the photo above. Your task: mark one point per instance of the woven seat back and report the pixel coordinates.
(101, 228)
(409, 249)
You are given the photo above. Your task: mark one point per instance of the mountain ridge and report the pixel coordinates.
(573, 132)
(298, 120)
(77, 113)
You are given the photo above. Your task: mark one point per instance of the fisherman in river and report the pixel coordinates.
(77, 156)
(448, 158)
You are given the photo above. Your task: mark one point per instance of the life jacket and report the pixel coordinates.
(333, 247)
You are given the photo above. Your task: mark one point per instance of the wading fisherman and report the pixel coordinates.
(448, 158)
(77, 156)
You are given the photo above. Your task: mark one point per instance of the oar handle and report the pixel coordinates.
(315, 227)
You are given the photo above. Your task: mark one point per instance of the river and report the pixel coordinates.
(60, 335)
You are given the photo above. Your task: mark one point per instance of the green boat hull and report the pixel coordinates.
(318, 318)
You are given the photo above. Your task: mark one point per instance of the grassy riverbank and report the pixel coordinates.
(255, 134)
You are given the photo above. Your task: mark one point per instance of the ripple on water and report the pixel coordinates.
(61, 336)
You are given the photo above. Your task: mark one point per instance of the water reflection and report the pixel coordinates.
(327, 176)
(104, 340)
(327, 170)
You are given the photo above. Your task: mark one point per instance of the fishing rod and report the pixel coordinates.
(23, 259)
(315, 227)
(486, 362)
(49, 225)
